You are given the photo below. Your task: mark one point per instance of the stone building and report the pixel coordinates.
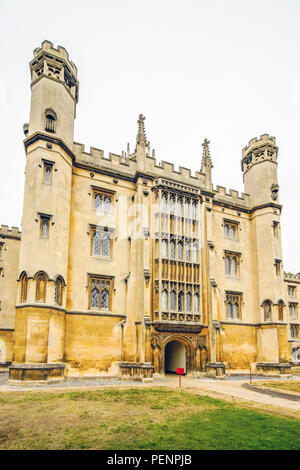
(125, 265)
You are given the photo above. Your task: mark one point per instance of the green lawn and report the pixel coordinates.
(289, 385)
(137, 418)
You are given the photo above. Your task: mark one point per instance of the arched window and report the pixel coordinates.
(180, 250)
(24, 284)
(187, 250)
(164, 203)
(95, 295)
(106, 245)
(104, 299)
(164, 246)
(195, 251)
(41, 283)
(280, 310)
(227, 265)
(180, 301)
(194, 210)
(293, 329)
(172, 249)
(179, 206)
(186, 208)
(267, 310)
(58, 293)
(233, 266)
(188, 302)
(172, 204)
(50, 120)
(196, 303)
(164, 300)
(96, 243)
(172, 301)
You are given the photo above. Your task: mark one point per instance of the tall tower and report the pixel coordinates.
(39, 331)
(259, 166)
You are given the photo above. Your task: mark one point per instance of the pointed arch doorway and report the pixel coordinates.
(175, 356)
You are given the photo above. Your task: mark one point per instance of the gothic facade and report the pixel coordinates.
(126, 267)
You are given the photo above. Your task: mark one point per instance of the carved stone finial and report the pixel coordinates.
(206, 158)
(141, 138)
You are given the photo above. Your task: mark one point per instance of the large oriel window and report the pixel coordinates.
(100, 292)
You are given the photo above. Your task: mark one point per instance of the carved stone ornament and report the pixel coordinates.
(274, 191)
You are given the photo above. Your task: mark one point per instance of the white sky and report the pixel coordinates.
(228, 70)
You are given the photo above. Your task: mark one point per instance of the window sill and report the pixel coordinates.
(101, 257)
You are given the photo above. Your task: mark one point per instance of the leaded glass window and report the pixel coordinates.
(230, 230)
(106, 245)
(104, 299)
(233, 266)
(100, 293)
(164, 203)
(172, 249)
(164, 248)
(229, 310)
(172, 204)
(194, 210)
(172, 301)
(96, 242)
(227, 265)
(186, 208)
(97, 201)
(107, 203)
(233, 305)
(95, 294)
(187, 250)
(235, 310)
(179, 207)
(195, 251)
(267, 310)
(188, 302)
(180, 301)
(196, 303)
(164, 300)
(180, 250)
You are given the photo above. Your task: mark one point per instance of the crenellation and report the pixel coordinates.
(6, 231)
(232, 196)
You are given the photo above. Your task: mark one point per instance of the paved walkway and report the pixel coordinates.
(230, 387)
(234, 388)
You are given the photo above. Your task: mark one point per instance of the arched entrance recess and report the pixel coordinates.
(177, 353)
(175, 356)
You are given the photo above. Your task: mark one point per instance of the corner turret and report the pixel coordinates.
(259, 166)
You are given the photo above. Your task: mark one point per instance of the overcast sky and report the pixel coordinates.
(228, 70)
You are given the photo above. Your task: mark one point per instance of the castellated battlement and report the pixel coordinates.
(264, 140)
(5, 231)
(95, 158)
(61, 52)
(289, 277)
(232, 196)
(258, 150)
